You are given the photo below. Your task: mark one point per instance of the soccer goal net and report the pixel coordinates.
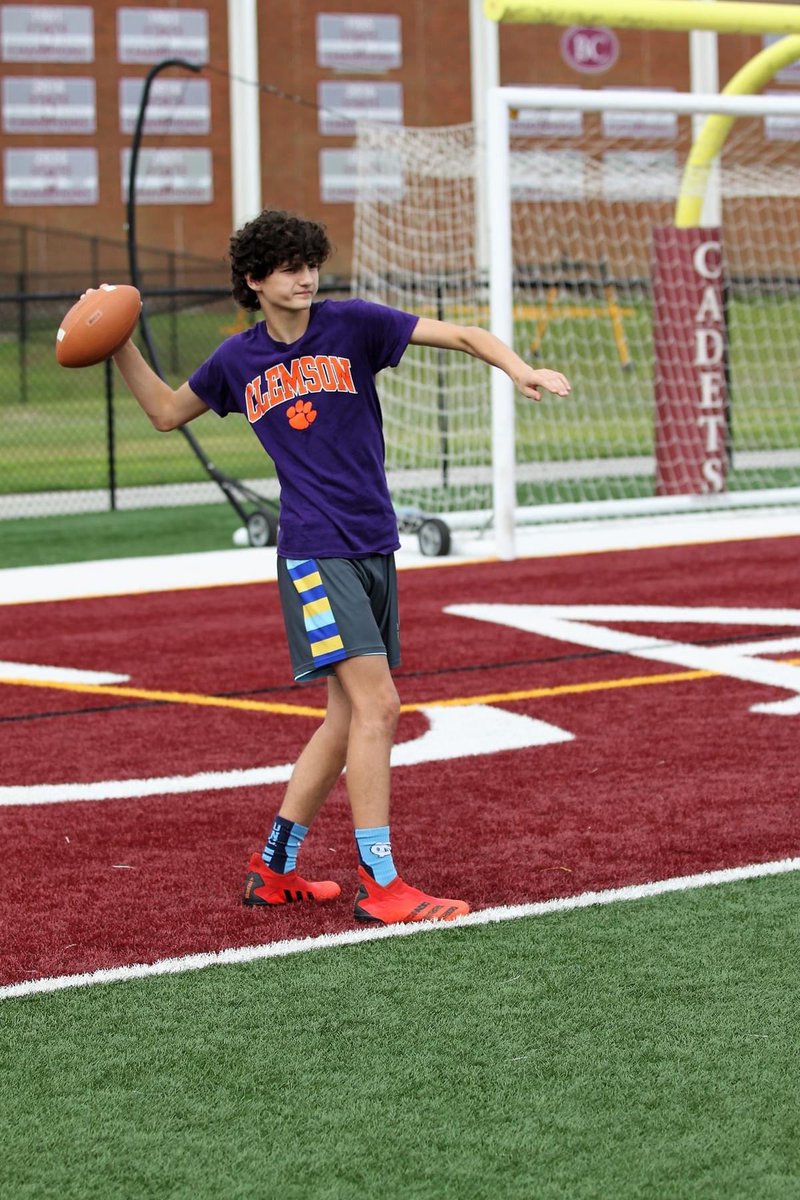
(681, 338)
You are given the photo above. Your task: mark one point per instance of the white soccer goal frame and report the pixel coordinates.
(497, 190)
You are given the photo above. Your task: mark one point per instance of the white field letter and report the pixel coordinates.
(711, 389)
(713, 422)
(709, 347)
(701, 256)
(710, 308)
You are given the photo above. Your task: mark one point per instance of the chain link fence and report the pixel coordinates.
(75, 440)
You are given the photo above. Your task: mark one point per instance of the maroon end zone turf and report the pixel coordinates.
(659, 780)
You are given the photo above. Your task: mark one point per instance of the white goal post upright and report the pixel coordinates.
(501, 309)
(593, 198)
(497, 164)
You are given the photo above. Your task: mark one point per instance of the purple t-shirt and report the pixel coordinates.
(314, 407)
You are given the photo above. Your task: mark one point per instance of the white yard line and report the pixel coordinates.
(351, 937)
(223, 568)
(458, 732)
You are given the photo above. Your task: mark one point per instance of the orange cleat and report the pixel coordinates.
(397, 903)
(266, 887)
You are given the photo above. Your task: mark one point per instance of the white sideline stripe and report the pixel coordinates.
(15, 671)
(457, 732)
(351, 937)
(214, 568)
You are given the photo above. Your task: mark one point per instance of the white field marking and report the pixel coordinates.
(351, 937)
(458, 732)
(584, 625)
(10, 672)
(767, 646)
(223, 568)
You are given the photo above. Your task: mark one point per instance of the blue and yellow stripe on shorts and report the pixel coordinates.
(323, 633)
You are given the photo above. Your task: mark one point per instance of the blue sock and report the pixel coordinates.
(375, 854)
(283, 843)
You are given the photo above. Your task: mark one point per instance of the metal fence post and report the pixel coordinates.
(111, 435)
(22, 337)
(441, 394)
(173, 316)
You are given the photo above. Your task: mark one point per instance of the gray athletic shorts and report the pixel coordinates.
(336, 608)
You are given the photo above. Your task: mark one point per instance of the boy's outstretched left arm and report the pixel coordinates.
(471, 339)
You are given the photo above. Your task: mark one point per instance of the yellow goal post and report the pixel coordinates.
(723, 16)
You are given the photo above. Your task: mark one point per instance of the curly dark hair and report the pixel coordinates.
(273, 239)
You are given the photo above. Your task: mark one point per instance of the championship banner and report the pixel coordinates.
(690, 348)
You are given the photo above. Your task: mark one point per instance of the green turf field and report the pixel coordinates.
(188, 529)
(640, 1051)
(611, 408)
(55, 433)
(55, 427)
(84, 537)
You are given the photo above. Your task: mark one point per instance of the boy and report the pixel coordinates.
(305, 379)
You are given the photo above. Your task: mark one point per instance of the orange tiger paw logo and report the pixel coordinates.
(301, 415)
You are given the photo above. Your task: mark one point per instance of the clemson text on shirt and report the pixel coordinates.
(308, 374)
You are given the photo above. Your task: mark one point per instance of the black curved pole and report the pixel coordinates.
(133, 251)
(227, 485)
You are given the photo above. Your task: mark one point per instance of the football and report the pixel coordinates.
(98, 325)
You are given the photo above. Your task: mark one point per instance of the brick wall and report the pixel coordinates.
(195, 228)
(434, 74)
